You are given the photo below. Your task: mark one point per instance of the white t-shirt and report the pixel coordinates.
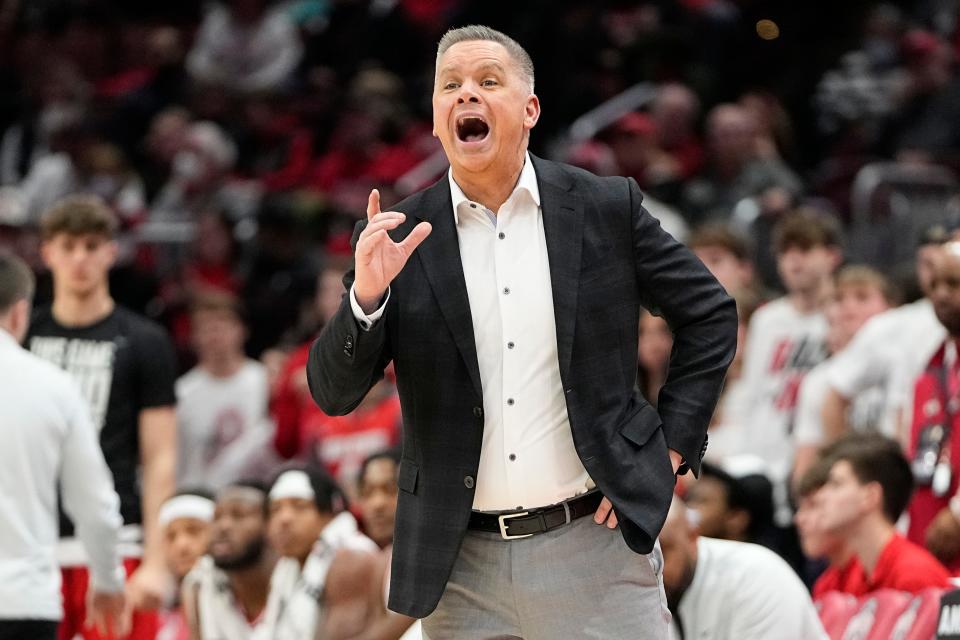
(747, 592)
(222, 425)
(782, 346)
(867, 412)
(888, 353)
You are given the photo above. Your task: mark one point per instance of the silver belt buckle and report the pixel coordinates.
(503, 526)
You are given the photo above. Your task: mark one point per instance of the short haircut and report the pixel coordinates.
(392, 453)
(16, 281)
(720, 235)
(805, 229)
(858, 275)
(219, 302)
(327, 494)
(875, 458)
(79, 215)
(249, 483)
(814, 477)
(752, 493)
(476, 32)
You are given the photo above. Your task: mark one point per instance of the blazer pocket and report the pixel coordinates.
(407, 480)
(642, 425)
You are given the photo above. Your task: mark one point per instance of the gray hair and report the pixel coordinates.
(16, 281)
(475, 32)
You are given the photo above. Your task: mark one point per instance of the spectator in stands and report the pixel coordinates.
(246, 46)
(226, 593)
(222, 402)
(726, 254)
(889, 352)
(653, 351)
(734, 169)
(165, 137)
(786, 339)
(185, 519)
(675, 111)
(868, 487)
(198, 171)
(377, 495)
(329, 580)
(732, 507)
(934, 445)
(844, 572)
(859, 294)
(729, 589)
(125, 366)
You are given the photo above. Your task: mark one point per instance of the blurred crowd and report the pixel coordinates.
(812, 165)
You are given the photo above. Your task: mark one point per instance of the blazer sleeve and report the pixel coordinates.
(674, 284)
(346, 360)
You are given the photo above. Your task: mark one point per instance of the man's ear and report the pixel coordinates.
(531, 112)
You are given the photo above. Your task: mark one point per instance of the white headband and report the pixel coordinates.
(293, 484)
(185, 506)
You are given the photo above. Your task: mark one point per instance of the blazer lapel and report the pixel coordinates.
(563, 228)
(440, 256)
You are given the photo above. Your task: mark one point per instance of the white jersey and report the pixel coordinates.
(222, 424)
(745, 591)
(294, 607)
(867, 412)
(782, 346)
(888, 353)
(219, 614)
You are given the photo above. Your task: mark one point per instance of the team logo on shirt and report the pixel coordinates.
(89, 363)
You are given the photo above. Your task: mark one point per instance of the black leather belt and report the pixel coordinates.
(524, 523)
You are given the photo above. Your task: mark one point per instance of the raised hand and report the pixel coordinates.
(378, 259)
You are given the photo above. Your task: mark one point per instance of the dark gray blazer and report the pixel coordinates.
(608, 257)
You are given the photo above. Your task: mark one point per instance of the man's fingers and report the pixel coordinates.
(415, 237)
(373, 204)
(612, 520)
(602, 511)
(386, 223)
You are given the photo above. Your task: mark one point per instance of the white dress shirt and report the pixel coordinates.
(47, 434)
(527, 458)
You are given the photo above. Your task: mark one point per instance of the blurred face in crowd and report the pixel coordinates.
(733, 273)
(945, 287)
(674, 110)
(168, 130)
(656, 340)
(803, 270)
(708, 497)
(815, 541)
(238, 533)
(483, 107)
(80, 264)
(844, 500)
(731, 134)
(295, 525)
(217, 334)
(213, 243)
(329, 294)
(186, 539)
(378, 500)
(855, 304)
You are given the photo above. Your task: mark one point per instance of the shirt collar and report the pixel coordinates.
(527, 182)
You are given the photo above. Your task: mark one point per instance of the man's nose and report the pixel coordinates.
(467, 94)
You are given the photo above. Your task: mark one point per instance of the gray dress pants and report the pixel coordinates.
(578, 581)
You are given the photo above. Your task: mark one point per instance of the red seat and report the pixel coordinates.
(919, 620)
(835, 610)
(887, 606)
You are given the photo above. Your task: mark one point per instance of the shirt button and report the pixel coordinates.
(501, 235)
(468, 482)
(513, 457)
(473, 206)
(510, 401)
(506, 290)
(478, 412)
(510, 345)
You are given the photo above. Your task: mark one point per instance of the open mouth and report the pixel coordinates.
(472, 128)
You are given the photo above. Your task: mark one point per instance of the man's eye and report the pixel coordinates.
(450, 85)
(489, 83)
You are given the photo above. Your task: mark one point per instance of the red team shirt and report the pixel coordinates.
(928, 409)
